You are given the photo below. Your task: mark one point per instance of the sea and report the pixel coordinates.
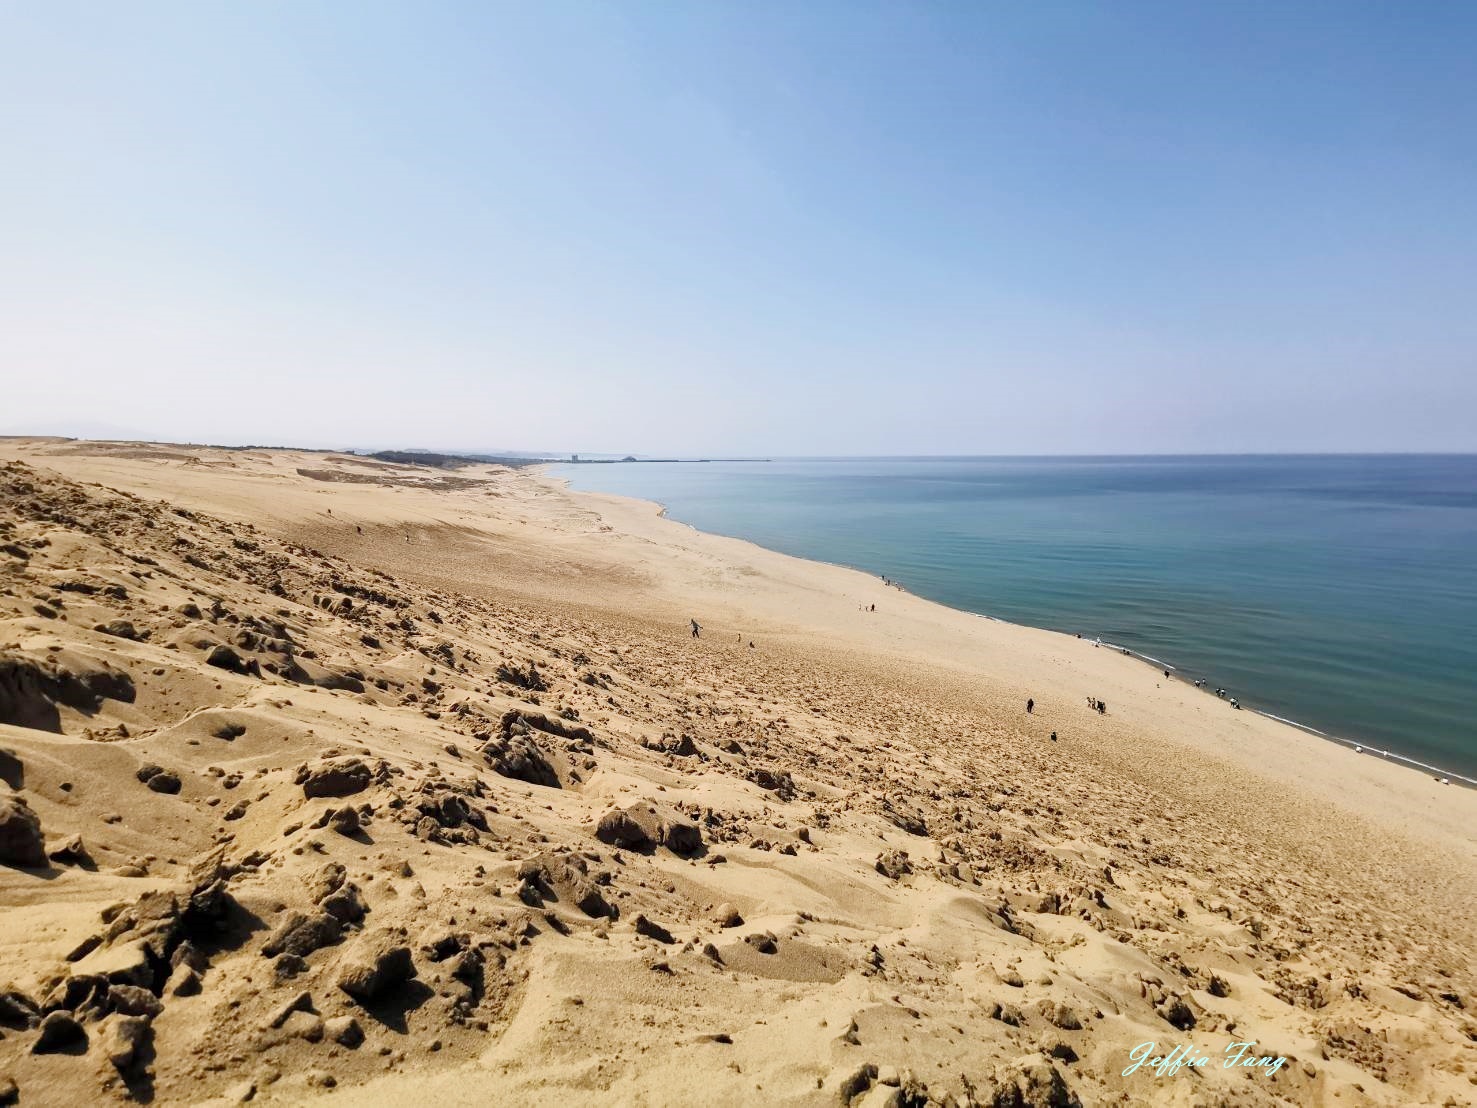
(1335, 592)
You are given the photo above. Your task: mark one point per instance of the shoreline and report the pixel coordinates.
(1382, 755)
(1400, 799)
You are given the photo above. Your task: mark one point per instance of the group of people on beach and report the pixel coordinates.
(1093, 702)
(1221, 693)
(697, 633)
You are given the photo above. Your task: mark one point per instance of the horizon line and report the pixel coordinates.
(563, 457)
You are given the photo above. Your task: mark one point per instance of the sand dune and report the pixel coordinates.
(332, 779)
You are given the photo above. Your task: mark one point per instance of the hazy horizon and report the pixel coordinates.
(841, 230)
(562, 457)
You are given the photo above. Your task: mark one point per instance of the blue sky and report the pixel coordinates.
(762, 228)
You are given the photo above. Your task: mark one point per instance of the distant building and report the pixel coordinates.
(574, 457)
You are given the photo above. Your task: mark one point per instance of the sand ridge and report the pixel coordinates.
(452, 804)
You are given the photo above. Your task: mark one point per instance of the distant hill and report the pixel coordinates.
(451, 461)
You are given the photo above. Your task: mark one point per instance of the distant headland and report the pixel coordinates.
(452, 461)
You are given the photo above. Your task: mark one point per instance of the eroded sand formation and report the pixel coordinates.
(279, 824)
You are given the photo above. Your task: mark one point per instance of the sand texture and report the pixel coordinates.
(329, 779)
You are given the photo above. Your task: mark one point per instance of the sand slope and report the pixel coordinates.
(452, 805)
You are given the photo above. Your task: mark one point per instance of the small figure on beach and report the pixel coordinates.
(1102, 707)
(1030, 706)
(1053, 736)
(1235, 703)
(696, 627)
(358, 528)
(1166, 673)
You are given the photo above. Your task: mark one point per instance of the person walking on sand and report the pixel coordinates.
(1030, 706)
(696, 627)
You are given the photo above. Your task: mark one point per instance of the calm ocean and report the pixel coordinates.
(1336, 591)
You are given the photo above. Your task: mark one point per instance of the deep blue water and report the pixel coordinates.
(1338, 591)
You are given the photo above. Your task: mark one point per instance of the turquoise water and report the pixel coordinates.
(1339, 591)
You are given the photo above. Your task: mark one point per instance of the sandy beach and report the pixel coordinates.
(331, 779)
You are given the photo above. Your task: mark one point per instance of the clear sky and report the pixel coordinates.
(743, 228)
